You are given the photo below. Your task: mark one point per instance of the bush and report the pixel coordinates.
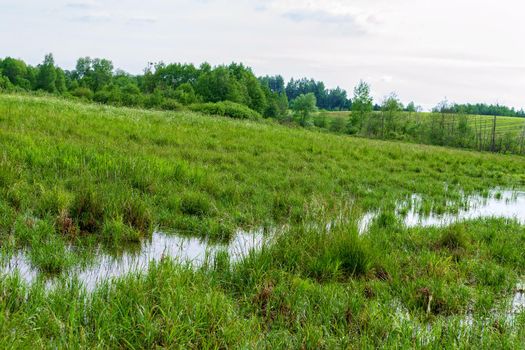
(170, 104)
(226, 109)
(82, 92)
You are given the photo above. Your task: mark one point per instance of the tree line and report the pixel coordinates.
(166, 86)
(174, 85)
(482, 109)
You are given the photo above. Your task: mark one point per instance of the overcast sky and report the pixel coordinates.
(465, 50)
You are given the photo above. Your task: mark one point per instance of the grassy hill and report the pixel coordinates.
(75, 175)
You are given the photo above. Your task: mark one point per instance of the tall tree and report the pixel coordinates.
(47, 74)
(102, 72)
(361, 107)
(16, 71)
(304, 105)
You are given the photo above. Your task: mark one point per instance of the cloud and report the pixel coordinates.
(93, 17)
(345, 23)
(343, 15)
(142, 20)
(386, 79)
(319, 16)
(80, 5)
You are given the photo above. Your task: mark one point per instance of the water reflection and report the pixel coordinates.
(192, 251)
(497, 204)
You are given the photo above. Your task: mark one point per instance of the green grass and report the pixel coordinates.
(80, 175)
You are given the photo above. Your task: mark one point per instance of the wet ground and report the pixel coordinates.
(196, 252)
(192, 251)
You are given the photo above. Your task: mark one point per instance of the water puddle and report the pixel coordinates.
(366, 221)
(192, 251)
(497, 204)
(518, 302)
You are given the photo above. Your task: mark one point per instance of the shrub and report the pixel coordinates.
(82, 92)
(226, 109)
(170, 104)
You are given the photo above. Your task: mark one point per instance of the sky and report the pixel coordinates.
(423, 50)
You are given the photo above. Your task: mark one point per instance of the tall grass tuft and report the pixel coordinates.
(87, 210)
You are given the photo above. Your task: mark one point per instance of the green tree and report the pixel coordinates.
(60, 82)
(277, 104)
(257, 98)
(361, 107)
(47, 74)
(16, 71)
(102, 72)
(411, 107)
(185, 94)
(219, 84)
(304, 105)
(389, 108)
(83, 67)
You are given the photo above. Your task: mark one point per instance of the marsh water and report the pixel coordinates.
(196, 252)
(504, 204)
(518, 302)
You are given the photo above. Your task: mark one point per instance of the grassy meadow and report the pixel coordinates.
(75, 176)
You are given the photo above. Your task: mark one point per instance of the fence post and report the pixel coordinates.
(522, 139)
(494, 135)
(480, 142)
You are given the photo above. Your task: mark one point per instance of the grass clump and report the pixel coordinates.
(87, 210)
(53, 202)
(51, 256)
(453, 238)
(137, 215)
(117, 231)
(195, 204)
(48, 252)
(324, 256)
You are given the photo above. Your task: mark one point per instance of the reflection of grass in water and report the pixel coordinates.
(90, 175)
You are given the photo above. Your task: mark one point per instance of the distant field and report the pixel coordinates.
(509, 135)
(503, 124)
